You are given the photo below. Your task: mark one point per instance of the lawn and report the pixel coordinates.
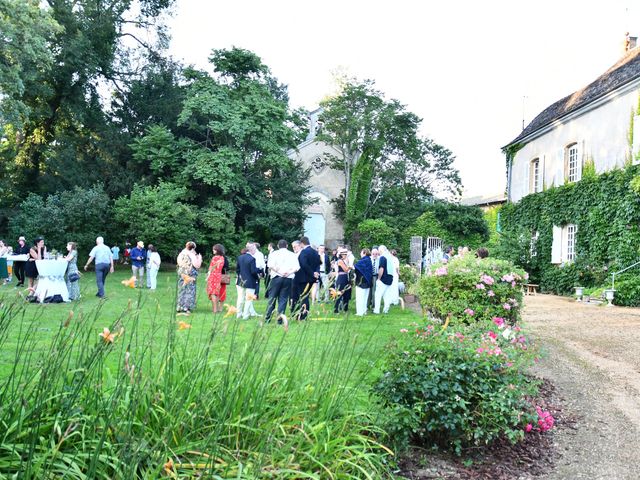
(223, 398)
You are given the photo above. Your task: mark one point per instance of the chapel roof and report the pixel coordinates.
(624, 71)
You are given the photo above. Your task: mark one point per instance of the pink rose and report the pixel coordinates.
(498, 321)
(480, 286)
(492, 335)
(404, 330)
(442, 271)
(490, 293)
(469, 312)
(528, 428)
(506, 306)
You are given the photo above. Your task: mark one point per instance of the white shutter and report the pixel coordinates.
(556, 246)
(581, 159)
(559, 176)
(635, 151)
(541, 170)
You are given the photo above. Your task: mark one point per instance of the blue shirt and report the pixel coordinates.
(138, 257)
(116, 252)
(101, 254)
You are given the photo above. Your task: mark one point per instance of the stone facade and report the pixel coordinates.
(321, 226)
(594, 125)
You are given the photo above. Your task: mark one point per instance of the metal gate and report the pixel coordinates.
(433, 252)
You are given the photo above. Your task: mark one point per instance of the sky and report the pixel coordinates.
(471, 70)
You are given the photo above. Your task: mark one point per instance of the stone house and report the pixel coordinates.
(596, 127)
(321, 225)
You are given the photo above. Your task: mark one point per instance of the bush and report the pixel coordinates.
(455, 224)
(77, 215)
(457, 387)
(469, 289)
(562, 279)
(627, 292)
(376, 232)
(156, 215)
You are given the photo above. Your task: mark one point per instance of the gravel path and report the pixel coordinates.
(593, 358)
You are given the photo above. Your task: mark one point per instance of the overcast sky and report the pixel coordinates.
(463, 66)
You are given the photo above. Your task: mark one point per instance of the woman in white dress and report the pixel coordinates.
(395, 291)
(153, 263)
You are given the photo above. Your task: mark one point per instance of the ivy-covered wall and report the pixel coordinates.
(606, 210)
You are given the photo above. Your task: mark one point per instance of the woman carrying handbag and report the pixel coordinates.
(218, 278)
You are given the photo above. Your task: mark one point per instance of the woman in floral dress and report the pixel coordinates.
(216, 290)
(188, 264)
(72, 268)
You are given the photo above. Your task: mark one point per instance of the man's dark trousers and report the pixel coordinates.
(279, 290)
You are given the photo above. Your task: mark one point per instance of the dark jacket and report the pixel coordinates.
(364, 272)
(309, 261)
(247, 271)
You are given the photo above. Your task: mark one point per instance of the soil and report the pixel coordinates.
(591, 385)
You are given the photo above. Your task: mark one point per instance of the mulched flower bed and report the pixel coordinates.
(533, 457)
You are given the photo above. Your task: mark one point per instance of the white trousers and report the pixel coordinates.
(382, 292)
(244, 305)
(152, 278)
(362, 297)
(395, 291)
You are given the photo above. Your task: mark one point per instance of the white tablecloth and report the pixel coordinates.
(18, 258)
(51, 279)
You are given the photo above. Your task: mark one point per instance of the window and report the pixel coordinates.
(563, 248)
(570, 236)
(534, 176)
(572, 163)
(533, 245)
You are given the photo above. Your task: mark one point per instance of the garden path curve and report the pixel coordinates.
(593, 358)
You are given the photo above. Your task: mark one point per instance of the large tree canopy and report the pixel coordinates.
(386, 163)
(236, 128)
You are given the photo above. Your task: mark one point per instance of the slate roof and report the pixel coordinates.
(482, 200)
(624, 71)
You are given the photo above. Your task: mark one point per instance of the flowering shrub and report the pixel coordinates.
(458, 387)
(487, 287)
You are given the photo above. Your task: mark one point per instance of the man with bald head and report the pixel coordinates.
(104, 264)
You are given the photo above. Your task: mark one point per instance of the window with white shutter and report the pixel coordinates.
(556, 246)
(635, 150)
(572, 163)
(534, 176)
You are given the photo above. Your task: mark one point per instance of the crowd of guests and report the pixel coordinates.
(293, 276)
(293, 279)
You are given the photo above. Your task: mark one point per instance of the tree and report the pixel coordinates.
(372, 135)
(65, 136)
(27, 31)
(230, 155)
(77, 215)
(158, 215)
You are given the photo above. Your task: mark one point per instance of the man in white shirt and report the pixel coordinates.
(104, 264)
(283, 264)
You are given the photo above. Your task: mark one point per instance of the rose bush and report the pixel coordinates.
(458, 386)
(489, 287)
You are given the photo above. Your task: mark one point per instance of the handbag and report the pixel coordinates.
(225, 279)
(74, 277)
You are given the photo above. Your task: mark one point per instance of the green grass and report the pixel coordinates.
(226, 398)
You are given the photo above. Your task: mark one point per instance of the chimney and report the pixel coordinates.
(630, 42)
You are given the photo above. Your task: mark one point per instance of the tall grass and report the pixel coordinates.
(241, 402)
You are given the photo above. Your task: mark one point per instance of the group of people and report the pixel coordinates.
(293, 279)
(27, 270)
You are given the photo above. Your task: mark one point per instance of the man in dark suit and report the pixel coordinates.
(247, 282)
(304, 279)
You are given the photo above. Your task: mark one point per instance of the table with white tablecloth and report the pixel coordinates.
(51, 279)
